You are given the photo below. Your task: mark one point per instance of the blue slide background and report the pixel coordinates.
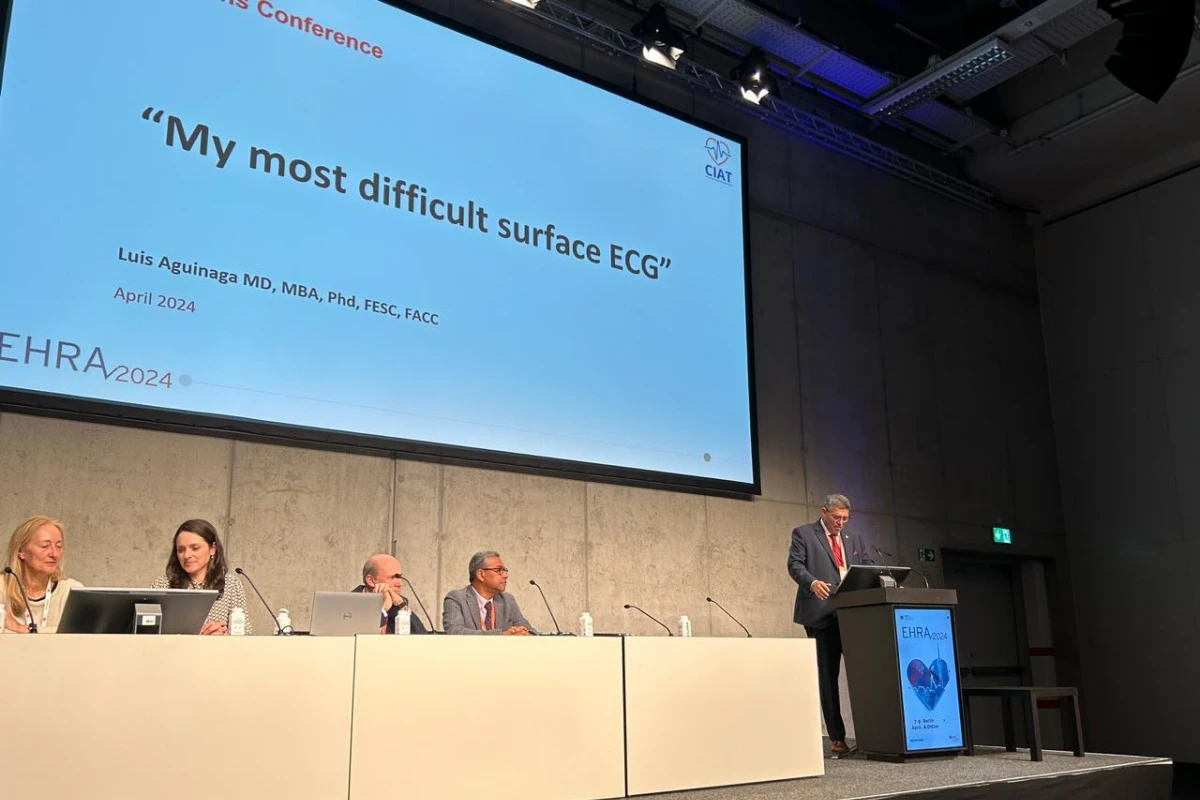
(924, 728)
(535, 353)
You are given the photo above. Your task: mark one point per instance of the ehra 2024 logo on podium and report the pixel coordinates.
(929, 682)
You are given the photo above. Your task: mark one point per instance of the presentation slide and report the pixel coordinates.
(928, 679)
(350, 220)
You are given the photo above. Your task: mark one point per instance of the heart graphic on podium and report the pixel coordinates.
(929, 681)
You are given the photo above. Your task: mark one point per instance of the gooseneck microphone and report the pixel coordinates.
(664, 627)
(25, 597)
(532, 582)
(418, 599)
(903, 563)
(749, 635)
(270, 613)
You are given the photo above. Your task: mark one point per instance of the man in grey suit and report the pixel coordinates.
(483, 607)
(818, 559)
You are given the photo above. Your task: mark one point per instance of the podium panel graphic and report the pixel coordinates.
(902, 667)
(929, 686)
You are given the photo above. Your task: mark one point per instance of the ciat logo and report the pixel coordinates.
(719, 153)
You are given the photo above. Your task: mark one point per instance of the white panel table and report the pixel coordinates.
(716, 712)
(506, 717)
(185, 717)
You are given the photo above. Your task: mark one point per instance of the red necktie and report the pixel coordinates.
(835, 542)
(489, 616)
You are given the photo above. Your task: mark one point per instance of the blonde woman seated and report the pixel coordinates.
(197, 561)
(35, 553)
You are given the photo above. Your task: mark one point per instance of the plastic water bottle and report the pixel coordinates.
(585, 624)
(685, 626)
(403, 622)
(285, 621)
(237, 622)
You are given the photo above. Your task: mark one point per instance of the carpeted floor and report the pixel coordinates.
(859, 778)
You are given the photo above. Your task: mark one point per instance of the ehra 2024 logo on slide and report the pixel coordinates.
(719, 153)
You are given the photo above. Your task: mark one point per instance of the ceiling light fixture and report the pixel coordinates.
(940, 79)
(661, 43)
(754, 77)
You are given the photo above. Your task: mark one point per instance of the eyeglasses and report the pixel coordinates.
(395, 577)
(497, 570)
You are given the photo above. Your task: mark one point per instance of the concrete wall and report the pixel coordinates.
(900, 361)
(1120, 291)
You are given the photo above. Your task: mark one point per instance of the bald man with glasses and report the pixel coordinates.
(484, 607)
(382, 576)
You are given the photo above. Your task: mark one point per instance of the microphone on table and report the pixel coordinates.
(25, 597)
(664, 627)
(731, 616)
(279, 628)
(532, 582)
(417, 597)
(902, 563)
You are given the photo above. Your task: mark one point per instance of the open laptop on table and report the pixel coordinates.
(345, 613)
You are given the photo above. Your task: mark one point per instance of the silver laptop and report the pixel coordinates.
(345, 613)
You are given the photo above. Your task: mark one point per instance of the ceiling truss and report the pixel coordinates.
(791, 118)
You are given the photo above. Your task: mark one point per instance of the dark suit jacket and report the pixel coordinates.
(460, 612)
(387, 620)
(810, 558)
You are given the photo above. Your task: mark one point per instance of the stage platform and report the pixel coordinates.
(993, 774)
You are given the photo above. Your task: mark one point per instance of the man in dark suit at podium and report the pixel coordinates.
(820, 555)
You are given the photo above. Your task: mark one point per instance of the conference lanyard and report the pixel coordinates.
(45, 607)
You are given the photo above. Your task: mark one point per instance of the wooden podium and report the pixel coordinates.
(902, 667)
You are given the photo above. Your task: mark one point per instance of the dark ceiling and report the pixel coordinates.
(900, 35)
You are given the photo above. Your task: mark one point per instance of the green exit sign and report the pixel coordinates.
(927, 554)
(1001, 536)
